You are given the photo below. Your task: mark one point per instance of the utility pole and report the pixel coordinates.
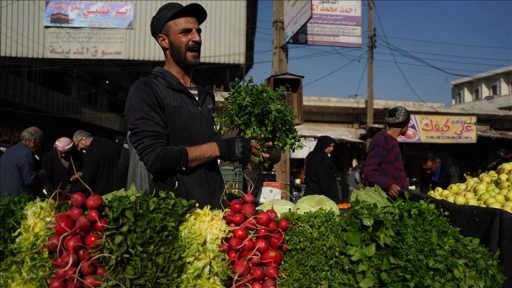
(280, 66)
(371, 47)
(279, 49)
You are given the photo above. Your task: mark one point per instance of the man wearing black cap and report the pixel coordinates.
(383, 165)
(170, 114)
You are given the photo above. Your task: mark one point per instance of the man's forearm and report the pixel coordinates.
(200, 154)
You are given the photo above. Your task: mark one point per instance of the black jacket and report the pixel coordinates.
(163, 118)
(101, 167)
(57, 175)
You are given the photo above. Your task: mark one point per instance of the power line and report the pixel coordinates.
(398, 66)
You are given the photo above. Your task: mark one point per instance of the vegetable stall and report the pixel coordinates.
(158, 240)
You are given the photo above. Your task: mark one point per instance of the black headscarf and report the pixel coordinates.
(323, 142)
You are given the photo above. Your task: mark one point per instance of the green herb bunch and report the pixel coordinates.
(257, 112)
(29, 265)
(141, 246)
(11, 213)
(406, 244)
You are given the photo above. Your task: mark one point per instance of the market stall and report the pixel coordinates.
(492, 226)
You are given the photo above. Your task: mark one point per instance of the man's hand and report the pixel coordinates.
(235, 149)
(394, 191)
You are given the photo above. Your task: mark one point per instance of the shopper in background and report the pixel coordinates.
(170, 114)
(384, 166)
(59, 165)
(19, 172)
(100, 164)
(322, 177)
(439, 170)
(354, 180)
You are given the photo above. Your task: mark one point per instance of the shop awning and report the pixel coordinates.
(495, 134)
(336, 131)
(309, 133)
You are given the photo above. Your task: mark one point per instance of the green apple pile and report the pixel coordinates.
(490, 189)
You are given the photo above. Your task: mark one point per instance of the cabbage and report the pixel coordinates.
(279, 205)
(312, 203)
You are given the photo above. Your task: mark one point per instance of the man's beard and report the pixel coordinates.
(180, 58)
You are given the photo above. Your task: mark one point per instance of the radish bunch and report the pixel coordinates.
(78, 232)
(256, 244)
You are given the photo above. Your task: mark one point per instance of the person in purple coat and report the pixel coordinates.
(384, 166)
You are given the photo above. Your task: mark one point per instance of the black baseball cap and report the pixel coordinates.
(171, 11)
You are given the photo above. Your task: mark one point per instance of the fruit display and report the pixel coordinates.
(491, 189)
(159, 240)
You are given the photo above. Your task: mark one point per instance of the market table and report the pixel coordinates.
(492, 226)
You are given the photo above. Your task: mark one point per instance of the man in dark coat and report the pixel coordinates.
(100, 164)
(169, 114)
(322, 177)
(59, 165)
(19, 170)
(439, 170)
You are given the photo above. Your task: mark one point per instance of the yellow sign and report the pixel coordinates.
(441, 129)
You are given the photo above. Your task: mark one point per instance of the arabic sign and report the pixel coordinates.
(85, 44)
(296, 14)
(333, 23)
(88, 14)
(441, 129)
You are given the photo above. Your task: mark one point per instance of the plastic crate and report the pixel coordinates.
(233, 180)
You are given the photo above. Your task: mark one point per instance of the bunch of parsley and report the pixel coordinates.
(142, 239)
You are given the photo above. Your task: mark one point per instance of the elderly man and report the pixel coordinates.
(18, 170)
(100, 171)
(59, 165)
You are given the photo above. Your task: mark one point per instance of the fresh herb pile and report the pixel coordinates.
(259, 113)
(406, 244)
(28, 264)
(11, 214)
(141, 245)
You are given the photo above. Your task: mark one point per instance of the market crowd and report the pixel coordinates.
(80, 162)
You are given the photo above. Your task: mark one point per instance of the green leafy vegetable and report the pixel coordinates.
(312, 203)
(373, 195)
(281, 206)
(28, 265)
(259, 113)
(200, 238)
(142, 239)
(11, 213)
(404, 244)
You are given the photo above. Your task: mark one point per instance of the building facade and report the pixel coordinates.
(68, 65)
(488, 90)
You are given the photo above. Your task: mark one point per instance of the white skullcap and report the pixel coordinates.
(63, 144)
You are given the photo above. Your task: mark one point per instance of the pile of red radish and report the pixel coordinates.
(256, 244)
(78, 232)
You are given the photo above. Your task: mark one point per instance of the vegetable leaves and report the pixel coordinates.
(142, 239)
(405, 244)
